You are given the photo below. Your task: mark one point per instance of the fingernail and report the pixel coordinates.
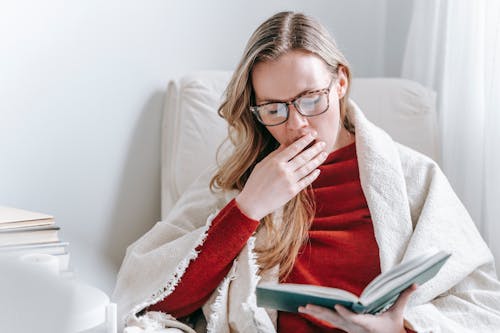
(314, 133)
(322, 143)
(323, 154)
(301, 309)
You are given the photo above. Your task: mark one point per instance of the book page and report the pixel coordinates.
(395, 272)
(415, 270)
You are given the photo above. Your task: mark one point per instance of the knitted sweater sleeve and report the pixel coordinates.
(227, 235)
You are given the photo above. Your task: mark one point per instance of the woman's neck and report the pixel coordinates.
(344, 138)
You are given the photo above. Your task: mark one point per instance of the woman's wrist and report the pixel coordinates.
(247, 208)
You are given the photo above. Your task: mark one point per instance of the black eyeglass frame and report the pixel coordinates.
(255, 109)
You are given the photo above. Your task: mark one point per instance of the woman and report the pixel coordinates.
(311, 193)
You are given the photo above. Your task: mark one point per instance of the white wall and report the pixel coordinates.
(81, 89)
(397, 24)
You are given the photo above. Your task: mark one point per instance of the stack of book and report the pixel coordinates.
(23, 232)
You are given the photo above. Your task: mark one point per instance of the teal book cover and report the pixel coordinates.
(378, 296)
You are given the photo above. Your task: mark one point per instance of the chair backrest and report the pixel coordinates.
(192, 129)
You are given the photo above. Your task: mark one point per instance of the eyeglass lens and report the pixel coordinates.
(309, 105)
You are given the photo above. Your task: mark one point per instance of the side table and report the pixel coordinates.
(93, 311)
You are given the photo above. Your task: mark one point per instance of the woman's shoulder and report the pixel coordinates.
(412, 159)
(419, 170)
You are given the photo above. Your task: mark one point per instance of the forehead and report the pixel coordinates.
(289, 75)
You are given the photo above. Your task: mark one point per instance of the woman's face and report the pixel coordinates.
(290, 75)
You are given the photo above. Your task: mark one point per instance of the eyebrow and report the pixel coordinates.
(271, 100)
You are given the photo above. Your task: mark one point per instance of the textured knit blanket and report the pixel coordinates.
(413, 208)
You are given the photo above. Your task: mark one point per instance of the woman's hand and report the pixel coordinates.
(390, 321)
(280, 176)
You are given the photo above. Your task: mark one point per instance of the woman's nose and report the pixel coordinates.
(295, 119)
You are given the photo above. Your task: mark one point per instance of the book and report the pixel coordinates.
(18, 218)
(24, 232)
(26, 235)
(46, 248)
(377, 297)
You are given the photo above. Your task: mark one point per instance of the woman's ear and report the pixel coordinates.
(342, 82)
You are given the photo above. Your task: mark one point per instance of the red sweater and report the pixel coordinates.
(341, 251)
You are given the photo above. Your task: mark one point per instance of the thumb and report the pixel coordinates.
(403, 299)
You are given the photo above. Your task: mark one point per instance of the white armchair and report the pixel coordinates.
(192, 129)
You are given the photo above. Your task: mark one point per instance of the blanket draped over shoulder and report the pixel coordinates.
(413, 208)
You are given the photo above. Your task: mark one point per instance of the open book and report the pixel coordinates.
(377, 297)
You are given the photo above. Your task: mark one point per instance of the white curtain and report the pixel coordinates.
(454, 48)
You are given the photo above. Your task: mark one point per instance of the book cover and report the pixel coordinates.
(377, 297)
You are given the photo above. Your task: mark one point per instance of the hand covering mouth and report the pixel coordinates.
(309, 146)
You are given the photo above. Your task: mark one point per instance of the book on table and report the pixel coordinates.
(53, 248)
(11, 218)
(26, 235)
(377, 297)
(24, 232)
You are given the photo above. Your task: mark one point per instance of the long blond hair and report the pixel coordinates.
(252, 142)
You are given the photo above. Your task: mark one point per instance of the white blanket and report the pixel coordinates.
(412, 207)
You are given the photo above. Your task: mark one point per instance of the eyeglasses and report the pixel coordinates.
(308, 104)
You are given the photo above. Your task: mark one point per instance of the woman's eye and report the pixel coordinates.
(276, 110)
(309, 100)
